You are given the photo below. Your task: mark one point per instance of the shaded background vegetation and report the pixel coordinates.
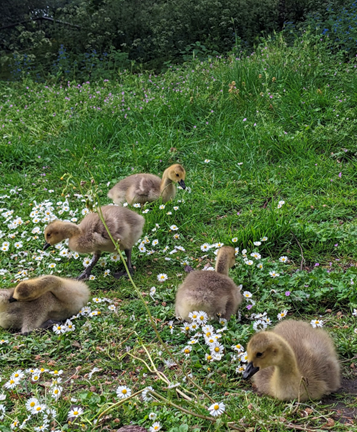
(72, 38)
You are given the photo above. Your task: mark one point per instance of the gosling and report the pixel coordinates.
(90, 236)
(293, 361)
(142, 188)
(38, 303)
(210, 291)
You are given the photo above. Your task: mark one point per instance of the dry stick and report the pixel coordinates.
(302, 254)
(145, 305)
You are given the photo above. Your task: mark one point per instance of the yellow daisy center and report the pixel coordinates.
(216, 407)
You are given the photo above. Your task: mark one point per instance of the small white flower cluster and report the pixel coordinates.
(280, 204)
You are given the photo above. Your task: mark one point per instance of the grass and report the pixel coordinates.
(287, 135)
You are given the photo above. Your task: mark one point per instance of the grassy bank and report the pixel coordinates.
(268, 142)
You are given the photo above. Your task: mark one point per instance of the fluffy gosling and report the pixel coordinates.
(293, 361)
(210, 291)
(90, 236)
(142, 188)
(35, 303)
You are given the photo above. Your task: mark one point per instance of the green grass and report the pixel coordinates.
(289, 134)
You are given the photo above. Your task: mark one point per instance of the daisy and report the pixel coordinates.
(193, 315)
(274, 274)
(222, 321)
(18, 245)
(152, 416)
(146, 211)
(354, 312)
(85, 211)
(137, 205)
(142, 248)
(260, 266)
(69, 325)
(264, 239)
(205, 247)
(2, 411)
(217, 348)
(176, 236)
(56, 392)
(112, 308)
(35, 377)
(169, 213)
(86, 262)
(162, 277)
(255, 255)
(14, 424)
(257, 243)
(155, 427)
(209, 357)
(316, 323)
(173, 227)
(162, 207)
(123, 392)
(238, 347)
(75, 255)
(12, 383)
(64, 252)
(249, 262)
(207, 160)
(217, 409)
(75, 412)
(152, 291)
(259, 325)
(241, 368)
(283, 259)
(155, 242)
(234, 239)
(31, 403)
(56, 372)
(202, 317)
(115, 258)
(91, 277)
(39, 408)
(247, 294)
(243, 357)
(282, 314)
(187, 350)
(52, 265)
(17, 375)
(146, 394)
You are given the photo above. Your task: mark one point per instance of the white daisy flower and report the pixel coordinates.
(75, 412)
(283, 259)
(137, 205)
(162, 207)
(282, 314)
(274, 274)
(162, 277)
(317, 323)
(216, 409)
(207, 160)
(123, 392)
(155, 427)
(146, 394)
(173, 227)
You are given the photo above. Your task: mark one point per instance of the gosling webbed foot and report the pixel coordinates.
(82, 276)
(49, 323)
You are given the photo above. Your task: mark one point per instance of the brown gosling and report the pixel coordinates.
(142, 188)
(210, 291)
(90, 236)
(36, 303)
(293, 361)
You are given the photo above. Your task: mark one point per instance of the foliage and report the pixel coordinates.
(149, 33)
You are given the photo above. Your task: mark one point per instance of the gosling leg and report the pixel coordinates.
(128, 263)
(87, 271)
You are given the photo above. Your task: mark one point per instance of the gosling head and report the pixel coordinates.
(23, 292)
(54, 233)
(263, 351)
(177, 174)
(228, 254)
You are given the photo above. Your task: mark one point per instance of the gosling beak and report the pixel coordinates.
(182, 184)
(250, 371)
(12, 299)
(46, 246)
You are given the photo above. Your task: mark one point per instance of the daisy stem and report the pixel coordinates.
(144, 303)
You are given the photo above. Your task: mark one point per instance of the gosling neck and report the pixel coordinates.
(222, 265)
(167, 187)
(70, 230)
(287, 369)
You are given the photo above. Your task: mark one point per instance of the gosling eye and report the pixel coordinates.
(48, 235)
(177, 175)
(259, 354)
